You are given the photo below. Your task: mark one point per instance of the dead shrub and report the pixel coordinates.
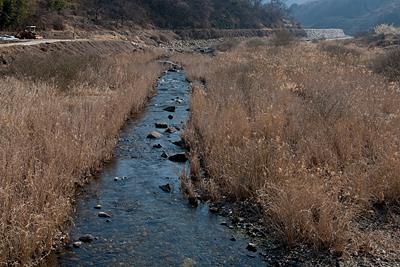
(256, 42)
(340, 51)
(282, 37)
(388, 64)
(227, 45)
(58, 69)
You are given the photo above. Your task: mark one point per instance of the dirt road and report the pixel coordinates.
(40, 41)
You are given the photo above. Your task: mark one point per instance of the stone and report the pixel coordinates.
(180, 157)
(77, 244)
(179, 143)
(213, 209)
(116, 178)
(97, 207)
(164, 155)
(193, 201)
(166, 188)
(251, 247)
(233, 238)
(170, 109)
(157, 146)
(154, 135)
(103, 215)
(171, 130)
(86, 238)
(161, 125)
(170, 117)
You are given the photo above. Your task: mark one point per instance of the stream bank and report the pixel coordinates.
(135, 214)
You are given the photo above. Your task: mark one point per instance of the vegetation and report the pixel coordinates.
(388, 64)
(13, 12)
(57, 126)
(161, 13)
(310, 139)
(351, 16)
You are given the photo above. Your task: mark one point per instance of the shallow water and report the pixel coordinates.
(150, 227)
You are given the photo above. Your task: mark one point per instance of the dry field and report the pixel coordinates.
(59, 120)
(312, 138)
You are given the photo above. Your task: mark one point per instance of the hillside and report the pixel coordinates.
(351, 15)
(165, 14)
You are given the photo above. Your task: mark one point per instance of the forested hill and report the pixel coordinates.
(351, 15)
(157, 13)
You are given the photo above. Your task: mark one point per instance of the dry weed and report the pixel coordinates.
(314, 139)
(50, 139)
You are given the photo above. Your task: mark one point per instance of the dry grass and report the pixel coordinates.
(388, 64)
(50, 139)
(313, 140)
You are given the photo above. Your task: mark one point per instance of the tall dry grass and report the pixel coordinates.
(58, 125)
(313, 140)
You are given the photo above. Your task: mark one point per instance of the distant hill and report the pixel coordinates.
(351, 15)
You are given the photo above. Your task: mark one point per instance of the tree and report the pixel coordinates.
(13, 12)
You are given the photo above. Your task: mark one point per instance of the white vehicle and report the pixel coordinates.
(7, 37)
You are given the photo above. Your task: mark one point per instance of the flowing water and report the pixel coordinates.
(150, 227)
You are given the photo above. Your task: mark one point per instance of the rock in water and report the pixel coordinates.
(154, 135)
(166, 188)
(213, 209)
(179, 143)
(180, 157)
(164, 155)
(86, 238)
(170, 109)
(251, 247)
(77, 244)
(171, 130)
(157, 146)
(97, 207)
(103, 215)
(193, 201)
(161, 125)
(170, 117)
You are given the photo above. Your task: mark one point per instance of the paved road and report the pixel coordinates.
(40, 41)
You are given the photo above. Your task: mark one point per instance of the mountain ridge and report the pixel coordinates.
(351, 15)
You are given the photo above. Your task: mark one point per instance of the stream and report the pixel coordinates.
(148, 226)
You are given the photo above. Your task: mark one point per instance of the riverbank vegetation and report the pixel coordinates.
(311, 139)
(60, 116)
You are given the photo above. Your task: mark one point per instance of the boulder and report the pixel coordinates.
(166, 188)
(157, 146)
(77, 244)
(251, 247)
(86, 238)
(161, 125)
(154, 135)
(179, 143)
(170, 109)
(180, 157)
(171, 129)
(103, 215)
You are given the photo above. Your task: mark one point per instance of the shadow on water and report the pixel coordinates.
(149, 227)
